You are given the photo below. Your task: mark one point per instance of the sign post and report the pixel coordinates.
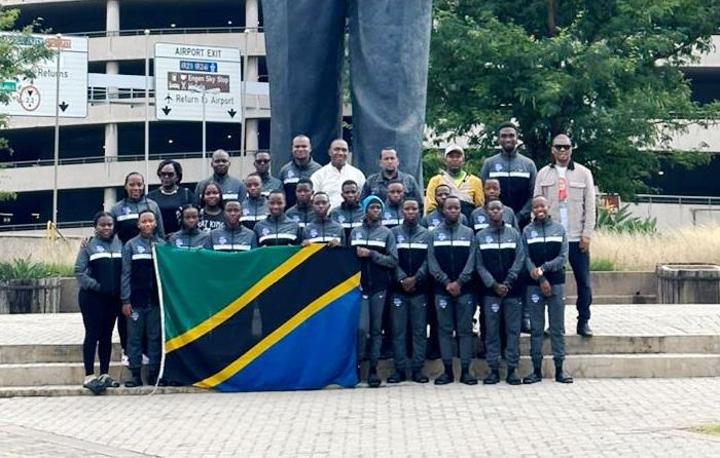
(198, 83)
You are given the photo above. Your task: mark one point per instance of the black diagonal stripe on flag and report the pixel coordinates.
(218, 348)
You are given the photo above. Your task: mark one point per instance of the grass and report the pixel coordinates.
(713, 430)
(601, 265)
(642, 252)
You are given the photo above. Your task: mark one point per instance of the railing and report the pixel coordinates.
(678, 200)
(120, 158)
(44, 226)
(165, 31)
(103, 94)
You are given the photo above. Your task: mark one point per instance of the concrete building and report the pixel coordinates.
(97, 152)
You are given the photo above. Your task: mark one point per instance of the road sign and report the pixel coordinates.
(36, 96)
(184, 72)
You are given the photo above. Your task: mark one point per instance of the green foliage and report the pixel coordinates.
(607, 72)
(26, 269)
(622, 221)
(601, 265)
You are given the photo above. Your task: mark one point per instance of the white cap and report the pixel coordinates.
(454, 147)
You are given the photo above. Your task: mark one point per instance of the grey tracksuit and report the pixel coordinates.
(187, 240)
(278, 230)
(324, 231)
(126, 213)
(139, 288)
(412, 247)
(376, 184)
(232, 188)
(451, 257)
(348, 217)
(392, 215)
(376, 273)
(302, 215)
(435, 217)
(270, 183)
(291, 173)
(500, 259)
(480, 220)
(516, 174)
(546, 246)
(253, 210)
(231, 239)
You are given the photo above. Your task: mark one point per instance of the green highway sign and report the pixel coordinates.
(8, 86)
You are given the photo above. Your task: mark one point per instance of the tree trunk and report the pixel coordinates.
(552, 26)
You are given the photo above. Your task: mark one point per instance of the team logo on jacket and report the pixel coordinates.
(480, 219)
(388, 215)
(498, 167)
(296, 218)
(441, 236)
(222, 240)
(341, 218)
(442, 303)
(265, 231)
(99, 249)
(400, 238)
(313, 233)
(141, 249)
(290, 174)
(397, 302)
(359, 236)
(178, 243)
(534, 233)
(535, 298)
(126, 210)
(495, 307)
(435, 222)
(488, 239)
(246, 211)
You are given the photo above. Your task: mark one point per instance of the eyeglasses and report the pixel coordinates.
(167, 174)
(262, 161)
(562, 147)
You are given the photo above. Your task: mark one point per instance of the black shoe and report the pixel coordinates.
(397, 377)
(533, 377)
(525, 325)
(560, 375)
(373, 380)
(419, 377)
(153, 376)
(492, 378)
(95, 386)
(512, 378)
(107, 381)
(583, 329)
(444, 379)
(135, 381)
(468, 379)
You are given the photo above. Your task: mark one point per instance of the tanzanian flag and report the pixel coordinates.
(275, 318)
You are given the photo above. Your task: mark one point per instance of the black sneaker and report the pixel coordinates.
(108, 381)
(95, 386)
(583, 329)
(397, 377)
(419, 377)
(468, 379)
(492, 378)
(533, 377)
(135, 381)
(373, 381)
(444, 379)
(512, 378)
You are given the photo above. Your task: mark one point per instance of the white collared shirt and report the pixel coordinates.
(329, 179)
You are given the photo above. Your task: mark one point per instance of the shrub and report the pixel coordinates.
(621, 220)
(26, 269)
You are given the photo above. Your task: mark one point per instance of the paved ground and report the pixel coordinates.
(591, 418)
(615, 320)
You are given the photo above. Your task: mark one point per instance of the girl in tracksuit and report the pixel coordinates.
(375, 247)
(189, 236)
(140, 299)
(97, 270)
(232, 236)
(277, 228)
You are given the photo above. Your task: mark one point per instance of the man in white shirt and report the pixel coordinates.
(329, 178)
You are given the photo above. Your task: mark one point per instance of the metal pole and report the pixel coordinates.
(243, 77)
(56, 161)
(147, 107)
(204, 134)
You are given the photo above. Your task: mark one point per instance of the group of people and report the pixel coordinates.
(500, 241)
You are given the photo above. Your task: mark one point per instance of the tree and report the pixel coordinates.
(607, 72)
(17, 61)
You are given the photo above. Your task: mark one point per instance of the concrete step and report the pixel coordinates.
(78, 390)
(581, 366)
(616, 299)
(575, 345)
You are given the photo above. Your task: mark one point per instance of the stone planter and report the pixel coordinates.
(30, 296)
(688, 284)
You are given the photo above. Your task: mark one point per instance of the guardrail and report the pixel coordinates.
(678, 200)
(44, 226)
(120, 158)
(165, 31)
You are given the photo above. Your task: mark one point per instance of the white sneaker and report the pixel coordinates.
(124, 360)
(145, 360)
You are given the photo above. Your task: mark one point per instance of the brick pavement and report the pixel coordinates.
(624, 320)
(591, 417)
